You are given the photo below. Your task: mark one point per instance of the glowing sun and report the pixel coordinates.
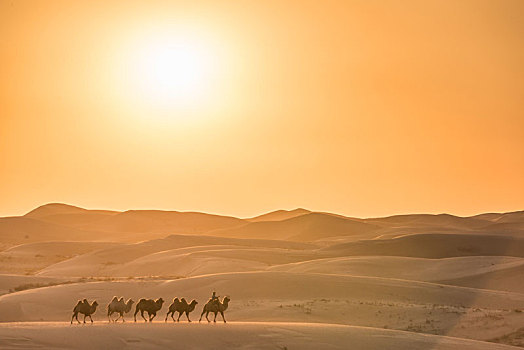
(178, 72)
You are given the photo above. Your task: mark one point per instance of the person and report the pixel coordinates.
(214, 297)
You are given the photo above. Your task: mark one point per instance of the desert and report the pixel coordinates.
(455, 283)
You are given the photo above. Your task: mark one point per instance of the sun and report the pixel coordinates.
(179, 72)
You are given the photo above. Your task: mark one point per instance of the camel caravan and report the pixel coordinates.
(151, 307)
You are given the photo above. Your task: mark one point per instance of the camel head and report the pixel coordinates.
(95, 303)
(226, 300)
(193, 302)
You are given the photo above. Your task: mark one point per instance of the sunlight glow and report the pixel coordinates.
(177, 72)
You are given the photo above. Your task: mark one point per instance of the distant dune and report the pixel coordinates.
(279, 215)
(64, 222)
(434, 246)
(306, 227)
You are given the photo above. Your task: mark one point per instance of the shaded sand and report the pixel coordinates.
(433, 246)
(179, 263)
(307, 227)
(10, 282)
(507, 279)
(110, 261)
(457, 271)
(279, 215)
(241, 335)
(32, 257)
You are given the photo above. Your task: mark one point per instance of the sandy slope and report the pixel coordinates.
(112, 261)
(307, 227)
(433, 246)
(173, 262)
(417, 269)
(507, 279)
(406, 273)
(242, 335)
(30, 258)
(298, 297)
(8, 282)
(279, 215)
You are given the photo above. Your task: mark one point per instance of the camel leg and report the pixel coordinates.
(207, 313)
(136, 311)
(215, 319)
(72, 317)
(90, 318)
(151, 317)
(179, 314)
(202, 314)
(85, 318)
(187, 315)
(167, 315)
(123, 318)
(222, 313)
(142, 314)
(173, 316)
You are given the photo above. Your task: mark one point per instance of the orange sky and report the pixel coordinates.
(364, 108)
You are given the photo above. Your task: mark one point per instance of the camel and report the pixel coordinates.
(119, 306)
(215, 306)
(181, 306)
(84, 308)
(150, 306)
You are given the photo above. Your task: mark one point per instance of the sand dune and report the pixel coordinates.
(417, 269)
(32, 257)
(507, 279)
(444, 220)
(432, 274)
(55, 209)
(20, 230)
(112, 261)
(307, 227)
(60, 221)
(9, 282)
(56, 301)
(434, 246)
(516, 216)
(294, 297)
(279, 215)
(241, 335)
(208, 261)
(164, 221)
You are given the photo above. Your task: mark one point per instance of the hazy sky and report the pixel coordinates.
(364, 108)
